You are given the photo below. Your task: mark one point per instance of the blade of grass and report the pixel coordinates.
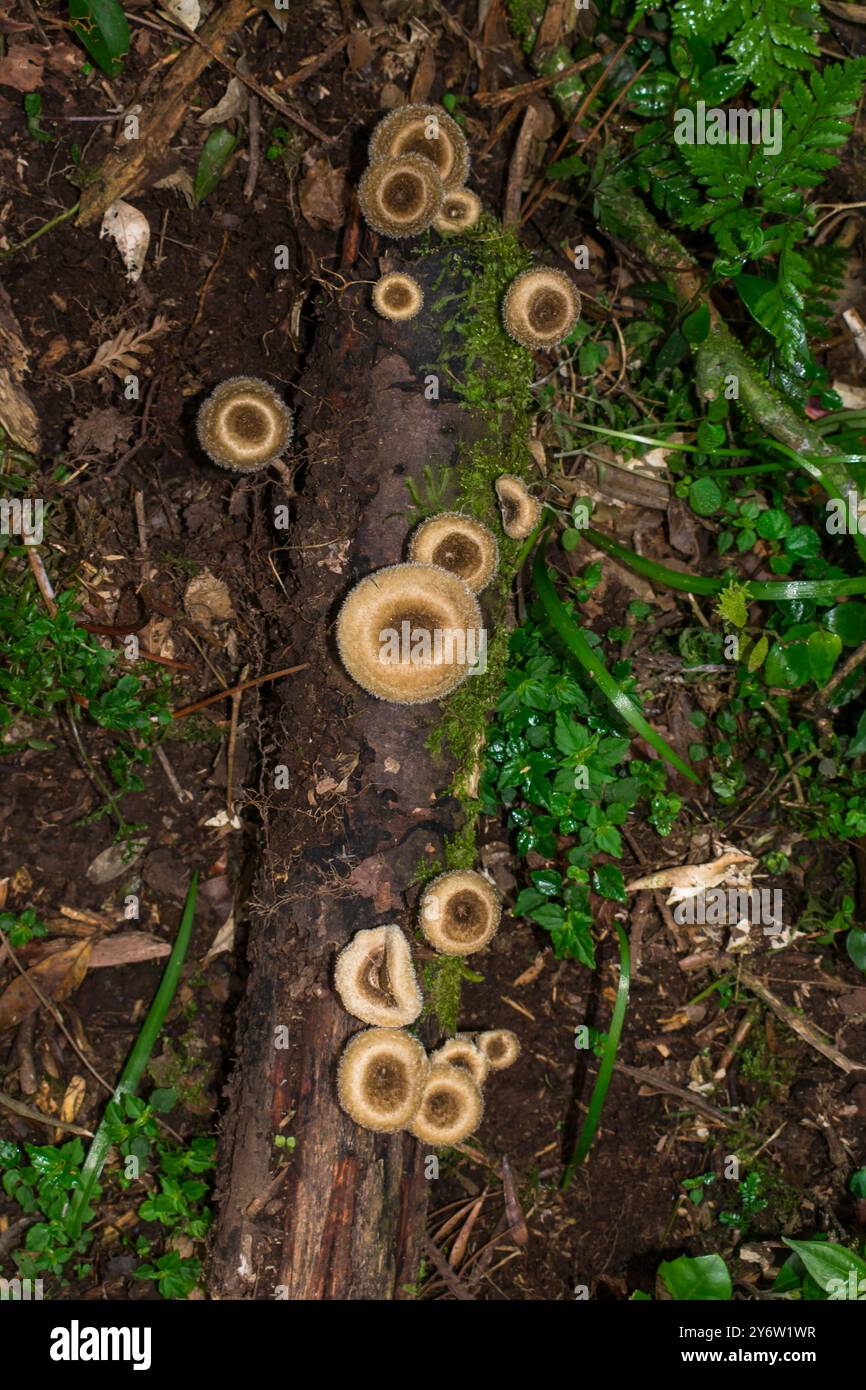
(771, 590)
(605, 1071)
(574, 639)
(135, 1065)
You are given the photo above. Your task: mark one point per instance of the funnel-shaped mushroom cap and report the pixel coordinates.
(400, 196)
(461, 209)
(381, 1077)
(375, 978)
(397, 296)
(427, 131)
(500, 1046)
(451, 1107)
(459, 912)
(462, 1052)
(244, 425)
(460, 544)
(410, 633)
(520, 510)
(541, 308)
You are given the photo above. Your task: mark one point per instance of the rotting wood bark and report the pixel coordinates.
(364, 809)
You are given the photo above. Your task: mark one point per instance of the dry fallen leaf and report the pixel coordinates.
(114, 861)
(323, 195)
(232, 103)
(73, 1099)
(118, 354)
(22, 68)
(690, 879)
(186, 12)
(130, 229)
(99, 431)
(57, 976)
(126, 948)
(207, 600)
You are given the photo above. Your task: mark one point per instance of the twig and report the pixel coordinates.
(238, 689)
(456, 1285)
(519, 159)
(527, 89)
(661, 1083)
(801, 1026)
(233, 739)
(43, 583)
(28, 1113)
(255, 131)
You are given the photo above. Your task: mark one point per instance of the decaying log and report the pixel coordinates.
(364, 809)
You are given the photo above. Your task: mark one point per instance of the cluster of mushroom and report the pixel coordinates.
(419, 163)
(386, 1081)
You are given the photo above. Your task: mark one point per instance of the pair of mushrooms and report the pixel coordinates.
(412, 633)
(419, 163)
(385, 1080)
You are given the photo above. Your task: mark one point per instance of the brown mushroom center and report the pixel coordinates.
(460, 1059)
(415, 141)
(497, 1049)
(420, 621)
(458, 553)
(386, 1082)
(403, 194)
(510, 508)
(247, 422)
(442, 1107)
(398, 296)
(454, 209)
(546, 310)
(466, 916)
(374, 980)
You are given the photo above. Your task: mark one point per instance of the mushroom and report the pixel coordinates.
(460, 544)
(410, 633)
(375, 978)
(462, 1052)
(397, 296)
(500, 1046)
(380, 1078)
(400, 196)
(541, 308)
(459, 912)
(429, 132)
(451, 1107)
(461, 209)
(520, 510)
(244, 424)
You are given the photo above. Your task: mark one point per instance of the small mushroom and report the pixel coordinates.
(410, 633)
(541, 308)
(459, 912)
(520, 510)
(244, 424)
(451, 1107)
(500, 1046)
(400, 196)
(429, 132)
(397, 296)
(460, 544)
(462, 1052)
(461, 209)
(381, 1077)
(375, 978)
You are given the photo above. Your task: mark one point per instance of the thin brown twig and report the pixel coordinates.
(238, 689)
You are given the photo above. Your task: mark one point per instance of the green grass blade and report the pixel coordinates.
(775, 590)
(605, 1071)
(135, 1065)
(574, 639)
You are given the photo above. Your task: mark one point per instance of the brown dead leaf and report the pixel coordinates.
(23, 67)
(323, 195)
(359, 50)
(100, 431)
(73, 1100)
(207, 600)
(127, 948)
(55, 351)
(690, 879)
(532, 973)
(57, 977)
(118, 354)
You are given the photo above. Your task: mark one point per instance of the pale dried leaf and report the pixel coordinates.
(231, 104)
(186, 12)
(207, 600)
(130, 230)
(126, 948)
(100, 430)
(688, 880)
(114, 861)
(323, 195)
(57, 976)
(117, 354)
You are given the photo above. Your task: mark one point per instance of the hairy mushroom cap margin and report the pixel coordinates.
(460, 210)
(400, 196)
(428, 132)
(397, 297)
(244, 425)
(520, 510)
(460, 544)
(459, 912)
(450, 1108)
(380, 1078)
(541, 307)
(375, 978)
(500, 1046)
